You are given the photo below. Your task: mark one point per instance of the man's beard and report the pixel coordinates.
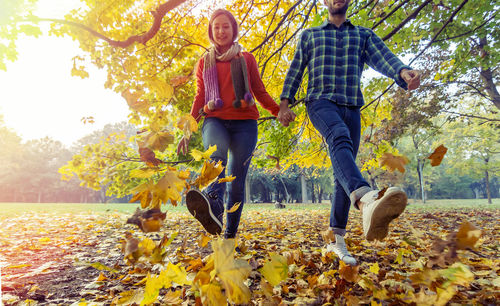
(340, 11)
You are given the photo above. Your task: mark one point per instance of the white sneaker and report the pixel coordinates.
(378, 213)
(340, 249)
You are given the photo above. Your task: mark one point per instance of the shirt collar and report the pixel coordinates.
(347, 22)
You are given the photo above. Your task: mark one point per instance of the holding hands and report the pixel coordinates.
(411, 77)
(285, 115)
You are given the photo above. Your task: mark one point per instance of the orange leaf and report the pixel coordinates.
(393, 162)
(437, 156)
(349, 273)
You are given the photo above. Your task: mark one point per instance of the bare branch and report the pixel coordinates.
(277, 26)
(158, 15)
(412, 16)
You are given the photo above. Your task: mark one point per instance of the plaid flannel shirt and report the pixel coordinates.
(335, 58)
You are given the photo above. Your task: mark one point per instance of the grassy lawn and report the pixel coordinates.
(15, 208)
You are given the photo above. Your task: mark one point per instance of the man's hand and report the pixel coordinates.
(285, 115)
(411, 77)
(183, 146)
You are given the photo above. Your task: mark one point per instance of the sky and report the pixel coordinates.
(40, 98)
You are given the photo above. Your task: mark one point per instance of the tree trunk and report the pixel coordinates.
(247, 190)
(487, 75)
(487, 182)
(420, 169)
(320, 194)
(313, 195)
(303, 188)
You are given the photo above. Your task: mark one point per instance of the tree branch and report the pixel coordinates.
(277, 26)
(390, 13)
(158, 15)
(412, 16)
(470, 116)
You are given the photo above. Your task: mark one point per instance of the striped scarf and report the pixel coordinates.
(238, 75)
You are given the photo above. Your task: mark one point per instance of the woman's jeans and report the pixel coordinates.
(237, 138)
(341, 128)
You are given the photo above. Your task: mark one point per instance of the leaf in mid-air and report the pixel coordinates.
(231, 272)
(437, 156)
(209, 172)
(227, 179)
(234, 208)
(393, 162)
(198, 155)
(467, 235)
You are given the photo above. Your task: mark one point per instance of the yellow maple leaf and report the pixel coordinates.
(209, 172)
(198, 155)
(211, 294)
(374, 268)
(143, 173)
(175, 274)
(467, 235)
(169, 187)
(393, 162)
(234, 208)
(134, 103)
(227, 179)
(159, 140)
(275, 270)
(142, 194)
(187, 124)
(437, 156)
(147, 245)
(203, 240)
(231, 272)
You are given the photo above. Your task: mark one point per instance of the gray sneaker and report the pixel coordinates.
(208, 212)
(340, 249)
(379, 212)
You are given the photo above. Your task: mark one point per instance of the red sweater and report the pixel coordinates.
(226, 91)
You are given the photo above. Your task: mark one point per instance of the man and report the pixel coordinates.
(334, 54)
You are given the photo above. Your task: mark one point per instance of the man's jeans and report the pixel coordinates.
(238, 138)
(341, 128)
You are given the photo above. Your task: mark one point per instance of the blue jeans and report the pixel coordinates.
(341, 128)
(236, 139)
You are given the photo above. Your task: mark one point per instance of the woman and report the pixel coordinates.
(227, 81)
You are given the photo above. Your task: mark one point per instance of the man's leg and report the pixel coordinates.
(328, 118)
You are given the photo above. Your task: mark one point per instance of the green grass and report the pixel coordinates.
(17, 208)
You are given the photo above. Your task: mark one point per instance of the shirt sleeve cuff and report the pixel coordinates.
(398, 78)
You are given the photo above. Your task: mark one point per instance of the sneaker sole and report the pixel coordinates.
(198, 205)
(391, 205)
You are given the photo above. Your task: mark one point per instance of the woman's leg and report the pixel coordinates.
(243, 134)
(214, 132)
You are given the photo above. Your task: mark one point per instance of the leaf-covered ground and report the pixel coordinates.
(77, 257)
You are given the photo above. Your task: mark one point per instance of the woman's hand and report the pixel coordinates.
(183, 146)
